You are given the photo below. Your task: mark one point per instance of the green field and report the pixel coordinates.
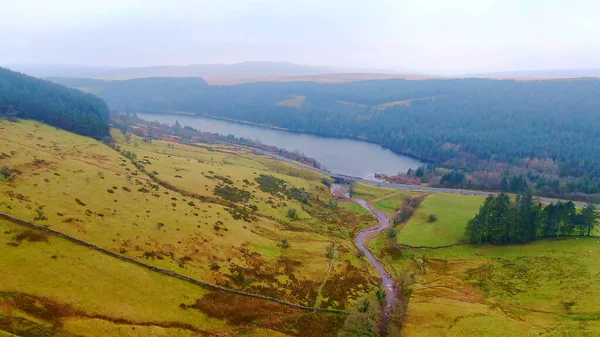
(369, 192)
(390, 203)
(546, 288)
(385, 199)
(453, 211)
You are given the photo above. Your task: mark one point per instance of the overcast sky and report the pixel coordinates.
(441, 36)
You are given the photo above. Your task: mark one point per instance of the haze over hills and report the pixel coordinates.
(265, 71)
(539, 74)
(234, 73)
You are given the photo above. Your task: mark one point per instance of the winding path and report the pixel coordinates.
(391, 293)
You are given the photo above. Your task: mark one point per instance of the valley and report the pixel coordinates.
(210, 238)
(299, 169)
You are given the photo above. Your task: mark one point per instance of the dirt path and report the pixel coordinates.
(391, 293)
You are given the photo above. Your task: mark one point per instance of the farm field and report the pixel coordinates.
(215, 213)
(453, 212)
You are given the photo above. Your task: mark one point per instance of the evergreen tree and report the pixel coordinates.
(500, 221)
(589, 220)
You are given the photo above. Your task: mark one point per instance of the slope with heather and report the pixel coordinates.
(216, 213)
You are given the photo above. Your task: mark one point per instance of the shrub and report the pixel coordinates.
(380, 297)
(326, 181)
(6, 172)
(41, 216)
(292, 213)
(432, 218)
(392, 233)
(232, 194)
(365, 306)
(32, 236)
(285, 243)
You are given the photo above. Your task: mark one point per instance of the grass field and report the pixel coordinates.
(385, 199)
(453, 211)
(217, 213)
(545, 288)
(369, 192)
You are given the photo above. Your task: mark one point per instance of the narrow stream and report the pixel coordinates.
(341, 191)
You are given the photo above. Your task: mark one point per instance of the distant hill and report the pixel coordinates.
(217, 73)
(540, 74)
(29, 97)
(319, 78)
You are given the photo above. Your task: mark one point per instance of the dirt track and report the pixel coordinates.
(391, 293)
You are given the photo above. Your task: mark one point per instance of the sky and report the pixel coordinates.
(435, 36)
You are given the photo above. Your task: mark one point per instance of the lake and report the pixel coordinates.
(343, 156)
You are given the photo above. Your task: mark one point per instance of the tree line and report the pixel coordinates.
(24, 96)
(501, 220)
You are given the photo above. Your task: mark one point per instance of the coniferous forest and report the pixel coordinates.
(503, 221)
(540, 134)
(70, 109)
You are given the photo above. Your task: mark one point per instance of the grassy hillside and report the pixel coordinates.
(51, 286)
(215, 213)
(544, 288)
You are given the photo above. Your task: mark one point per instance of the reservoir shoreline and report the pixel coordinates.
(340, 155)
(277, 128)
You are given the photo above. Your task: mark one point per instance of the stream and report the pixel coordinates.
(341, 191)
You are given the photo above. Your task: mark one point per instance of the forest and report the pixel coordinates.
(544, 132)
(502, 221)
(66, 108)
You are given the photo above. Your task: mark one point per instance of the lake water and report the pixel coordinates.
(343, 156)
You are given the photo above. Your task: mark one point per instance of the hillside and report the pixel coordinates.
(541, 74)
(541, 131)
(214, 213)
(28, 97)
